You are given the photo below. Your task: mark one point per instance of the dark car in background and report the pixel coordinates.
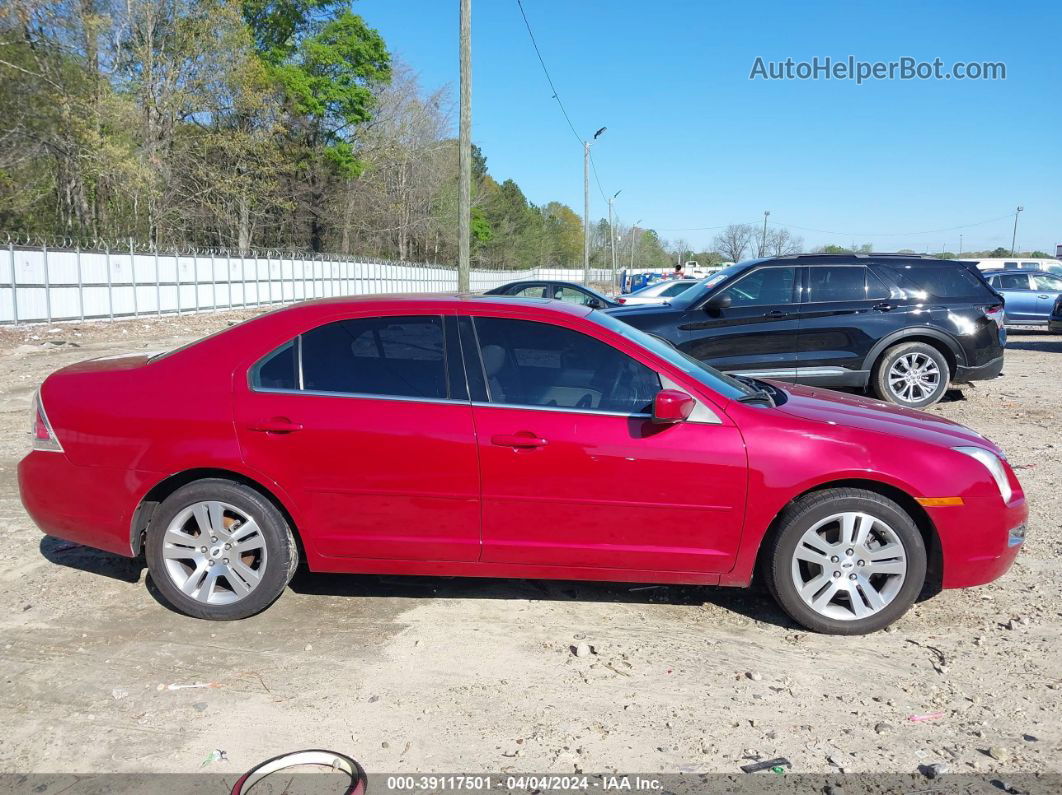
(1031, 296)
(903, 326)
(559, 291)
(1054, 323)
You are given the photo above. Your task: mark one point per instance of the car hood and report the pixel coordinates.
(853, 411)
(633, 311)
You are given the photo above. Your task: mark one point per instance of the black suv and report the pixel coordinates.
(903, 325)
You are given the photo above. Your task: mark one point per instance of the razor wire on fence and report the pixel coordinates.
(52, 279)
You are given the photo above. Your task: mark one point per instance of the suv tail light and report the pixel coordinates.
(44, 437)
(995, 312)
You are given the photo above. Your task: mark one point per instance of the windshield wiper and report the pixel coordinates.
(758, 395)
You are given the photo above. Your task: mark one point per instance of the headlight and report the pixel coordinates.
(993, 465)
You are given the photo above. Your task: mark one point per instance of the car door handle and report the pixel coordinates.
(884, 306)
(1043, 296)
(776, 313)
(523, 440)
(276, 425)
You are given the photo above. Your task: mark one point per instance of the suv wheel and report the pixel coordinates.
(846, 561)
(911, 374)
(219, 550)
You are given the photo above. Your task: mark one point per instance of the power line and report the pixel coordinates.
(597, 179)
(783, 225)
(898, 234)
(545, 71)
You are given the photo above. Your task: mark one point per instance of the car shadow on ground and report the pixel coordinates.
(94, 561)
(1044, 343)
(753, 603)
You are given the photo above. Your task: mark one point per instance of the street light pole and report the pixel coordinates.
(612, 234)
(763, 242)
(586, 205)
(464, 190)
(1014, 237)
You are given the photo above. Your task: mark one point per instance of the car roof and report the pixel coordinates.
(812, 260)
(1022, 271)
(436, 301)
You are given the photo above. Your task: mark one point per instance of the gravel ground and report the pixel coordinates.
(438, 675)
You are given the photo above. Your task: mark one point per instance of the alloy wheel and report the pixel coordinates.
(913, 377)
(214, 553)
(849, 566)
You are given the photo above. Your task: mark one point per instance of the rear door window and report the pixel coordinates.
(532, 291)
(1012, 281)
(937, 282)
(386, 356)
(837, 283)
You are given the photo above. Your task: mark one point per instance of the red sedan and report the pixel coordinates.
(506, 437)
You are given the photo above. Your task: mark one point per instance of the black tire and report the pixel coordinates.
(881, 384)
(280, 552)
(802, 515)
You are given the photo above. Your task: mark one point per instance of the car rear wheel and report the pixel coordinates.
(912, 374)
(846, 561)
(219, 550)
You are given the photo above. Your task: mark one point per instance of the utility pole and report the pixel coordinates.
(1014, 237)
(612, 234)
(763, 241)
(960, 244)
(634, 229)
(464, 191)
(586, 205)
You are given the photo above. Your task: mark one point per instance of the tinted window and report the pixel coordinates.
(400, 356)
(1047, 283)
(721, 383)
(277, 370)
(763, 287)
(1012, 281)
(572, 296)
(926, 282)
(837, 284)
(876, 288)
(534, 291)
(536, 364)
(675, 289)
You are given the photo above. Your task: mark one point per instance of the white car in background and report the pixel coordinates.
(659, 292)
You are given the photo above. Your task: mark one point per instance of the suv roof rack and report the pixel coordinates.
(863, 255)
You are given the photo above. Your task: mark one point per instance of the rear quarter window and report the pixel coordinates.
(937, 282)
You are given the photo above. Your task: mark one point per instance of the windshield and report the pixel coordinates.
(713, 379)
(705, 286)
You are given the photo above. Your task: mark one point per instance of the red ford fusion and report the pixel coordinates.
(506, 437)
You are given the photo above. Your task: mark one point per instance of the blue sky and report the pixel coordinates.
(692, 142)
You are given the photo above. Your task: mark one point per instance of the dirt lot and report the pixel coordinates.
(436, 675)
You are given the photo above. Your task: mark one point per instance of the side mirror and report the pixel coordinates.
(671, 406)
(595, 303)
(718, 301)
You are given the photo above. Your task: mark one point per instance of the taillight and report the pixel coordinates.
(44, 437)
(620, 300)
(995, 312)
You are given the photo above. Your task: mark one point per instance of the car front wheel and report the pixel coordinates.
(219, 550)
(912, 374)
(846, 561)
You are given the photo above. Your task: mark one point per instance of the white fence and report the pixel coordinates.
(44, 285)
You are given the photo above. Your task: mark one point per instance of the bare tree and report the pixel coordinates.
(733, 241)
(780, 243)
